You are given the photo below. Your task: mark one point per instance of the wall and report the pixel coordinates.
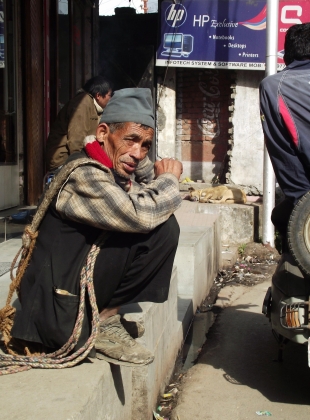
(246, 160)
(166, 114)
(216, 130)
(202, 103)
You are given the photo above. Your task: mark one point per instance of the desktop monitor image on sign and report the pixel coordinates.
(177, 45)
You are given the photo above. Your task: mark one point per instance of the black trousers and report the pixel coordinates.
(136, 267)
(280, 217)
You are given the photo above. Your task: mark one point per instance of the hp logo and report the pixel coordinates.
(175, 15)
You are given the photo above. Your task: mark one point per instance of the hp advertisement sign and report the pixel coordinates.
(175, 15)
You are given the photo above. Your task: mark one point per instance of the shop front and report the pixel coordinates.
(9, 150)
(47, 52)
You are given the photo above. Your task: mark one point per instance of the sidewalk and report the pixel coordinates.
(236, 375)
(8, 250)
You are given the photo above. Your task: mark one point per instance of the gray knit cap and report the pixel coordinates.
(130, 105)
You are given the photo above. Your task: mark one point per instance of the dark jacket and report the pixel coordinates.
(61, 248)
(285, 113)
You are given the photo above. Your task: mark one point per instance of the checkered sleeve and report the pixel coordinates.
(90, 196)
(145, 171)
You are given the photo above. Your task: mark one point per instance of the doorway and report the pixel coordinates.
(9, 173)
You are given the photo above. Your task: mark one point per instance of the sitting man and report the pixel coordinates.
(135, 261)
(77, 119)
(285, 114)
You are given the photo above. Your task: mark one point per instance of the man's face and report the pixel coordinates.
(126, 147)
(103, 100)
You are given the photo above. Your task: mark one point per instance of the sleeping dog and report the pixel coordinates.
(218, 195)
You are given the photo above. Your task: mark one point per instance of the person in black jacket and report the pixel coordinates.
(285, 114)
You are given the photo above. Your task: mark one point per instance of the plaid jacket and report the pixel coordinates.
(91, 196)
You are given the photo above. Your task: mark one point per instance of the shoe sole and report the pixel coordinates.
(108, 359)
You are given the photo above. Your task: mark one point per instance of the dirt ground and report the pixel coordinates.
(256, 264)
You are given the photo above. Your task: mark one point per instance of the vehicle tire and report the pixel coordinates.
(298, 233)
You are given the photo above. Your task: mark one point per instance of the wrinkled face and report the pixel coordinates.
(126, 146)
(103, 100)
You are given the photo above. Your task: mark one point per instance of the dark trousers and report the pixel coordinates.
(136, 267)
(280, 217)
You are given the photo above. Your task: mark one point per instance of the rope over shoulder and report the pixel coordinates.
(12, 362)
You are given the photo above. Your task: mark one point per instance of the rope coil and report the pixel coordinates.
(12, 362)
(59, 359)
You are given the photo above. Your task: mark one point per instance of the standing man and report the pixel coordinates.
(134, 263)
(285, 114)
(77, 119)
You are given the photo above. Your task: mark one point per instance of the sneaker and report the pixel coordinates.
(116, 346)
(134, 328)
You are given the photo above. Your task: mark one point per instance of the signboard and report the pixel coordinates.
(1, 35)
(227, 34)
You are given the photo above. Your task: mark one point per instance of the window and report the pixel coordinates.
(64, 53)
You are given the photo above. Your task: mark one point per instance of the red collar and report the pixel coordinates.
(94, 150)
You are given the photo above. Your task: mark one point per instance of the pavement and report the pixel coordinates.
(8, 251)
(237, 375)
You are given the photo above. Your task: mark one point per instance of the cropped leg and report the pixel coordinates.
(280, 217)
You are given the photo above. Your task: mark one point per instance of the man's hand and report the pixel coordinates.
(167, 165)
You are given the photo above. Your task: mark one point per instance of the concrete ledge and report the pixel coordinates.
(229, 255)
(164, 336)
(92, 390)
(198, 258)
(8, 251)
(195, 263)
(239, 223)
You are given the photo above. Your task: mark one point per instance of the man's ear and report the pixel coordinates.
(97, 96)
(102, 132)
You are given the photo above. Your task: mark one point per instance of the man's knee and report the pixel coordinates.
(169, 232)
(280, 215)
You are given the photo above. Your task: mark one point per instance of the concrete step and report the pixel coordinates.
(8, 250)
(239, 223)
(164, 332)
(198, 258)
(229, 255)
(195, 262)
(92, 390)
